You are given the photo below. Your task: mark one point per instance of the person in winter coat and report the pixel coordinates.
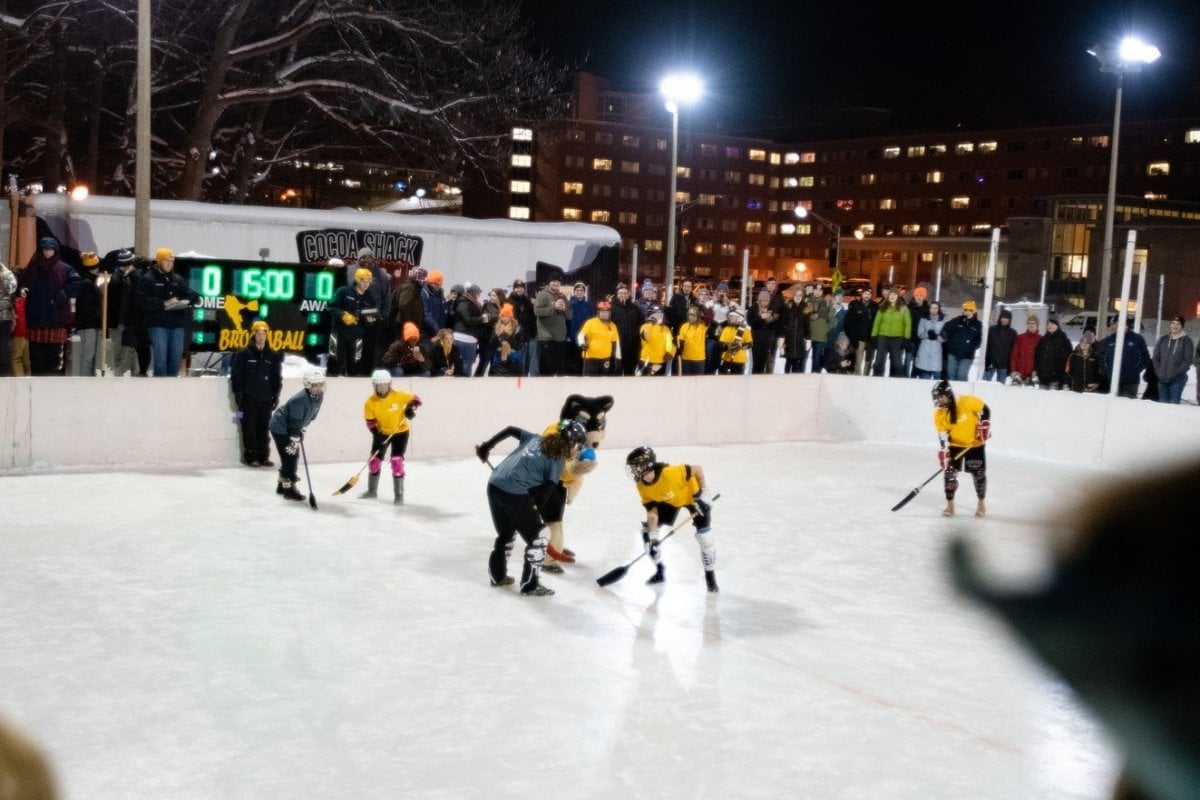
(166, 301)
(508, 356)
(1001, 338)
(406, 356)
(256, 378)
(858, 322)
(628, 319)
(918, 309)
(407, 305)
(795, 330)
(19, 344)
(1134, 359)
(764, 322)
(929, 359)
(433, 306)
(496, 300)
(1050, 357)
(527, 323)
(962, 336)
(472, 324)
(582, 310)
(354, 312)
(839, 359)
(891, 330)
(287, 426)
(48, 284)
(553, 312)
(1172, 359)
(445, 359)
(88, 317)
(1020, 364)
(1083, 368)
(8, 287)
(822, 314)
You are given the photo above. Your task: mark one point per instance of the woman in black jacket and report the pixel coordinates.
(1083, 368)
(1050, 357)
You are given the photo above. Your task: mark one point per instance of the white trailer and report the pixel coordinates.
(489, 252)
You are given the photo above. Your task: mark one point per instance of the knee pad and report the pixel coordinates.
(397, 466)
(981, 484)
(535, 551)
(374, 465)
(951, 482)
(708, 547)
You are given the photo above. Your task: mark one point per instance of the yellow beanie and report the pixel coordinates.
(163, 253)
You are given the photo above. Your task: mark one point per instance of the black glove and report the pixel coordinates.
(702, 503)
(483, 451)
(410, 411)
(932, 336)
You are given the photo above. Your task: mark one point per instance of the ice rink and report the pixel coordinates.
(198, 637)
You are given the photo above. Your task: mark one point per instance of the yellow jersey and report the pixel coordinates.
(962, 432)
(675, 486)
(388, 411)
(691, 341)
(657, 344)
(601, 338)
(742, 336)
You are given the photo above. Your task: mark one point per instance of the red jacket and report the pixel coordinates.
(1022, 354)
(19, 331)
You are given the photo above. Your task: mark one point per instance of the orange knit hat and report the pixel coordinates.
(411, 332)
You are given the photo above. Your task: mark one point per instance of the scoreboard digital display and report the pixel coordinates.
(291, 298)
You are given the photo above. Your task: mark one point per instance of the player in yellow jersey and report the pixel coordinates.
(387, 412)
(663, 490)
(658, 345)
(734, 342)
(692, 336)
(966, 423)
(600, 343)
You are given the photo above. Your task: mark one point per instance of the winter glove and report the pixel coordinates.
(932, 336)
(983, 431)
(649, 543)
(944, 459)
(702, 503)
(410, 410)
(293, 446)
(372, 425)
(348, 319)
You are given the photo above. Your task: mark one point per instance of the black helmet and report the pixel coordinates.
(573, 431)
(638, 461)
(942, 388)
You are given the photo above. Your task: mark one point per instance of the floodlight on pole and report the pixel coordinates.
(834, 228)
(1128, 57)
(677, 89)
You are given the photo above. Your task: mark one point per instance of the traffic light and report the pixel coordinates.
(833, 252)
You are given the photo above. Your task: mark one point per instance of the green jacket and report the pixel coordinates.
(822, 319)
(892, 322)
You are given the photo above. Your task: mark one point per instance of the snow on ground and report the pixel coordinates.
(191, 635)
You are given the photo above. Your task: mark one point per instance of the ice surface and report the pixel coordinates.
(191, 635)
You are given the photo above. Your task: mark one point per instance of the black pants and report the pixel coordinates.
(380, 444)
(761, 348)
(691, 367)
(256, 414)
(287, 463)
(551, 357)
(512, 514)
(45, 359)
(973, 461)
(595, 367)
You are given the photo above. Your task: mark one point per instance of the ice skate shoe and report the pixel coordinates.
(507, 580)
(659, 576)
(710, 578)
(948, 511)
(289, 491)
(537, 591)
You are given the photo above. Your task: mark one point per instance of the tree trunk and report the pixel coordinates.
(91, 157)
(3, 84)
(209, 109)
(56, 129)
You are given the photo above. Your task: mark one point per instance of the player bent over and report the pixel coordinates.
(287, 429)
(663, 490)
(966, 421)
(512, 493)
(387, 412)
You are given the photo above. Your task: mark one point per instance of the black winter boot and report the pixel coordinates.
(398, 490)
(659, 576)
(710, 578)
(289, 491)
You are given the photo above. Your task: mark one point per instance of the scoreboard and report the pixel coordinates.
(291, 298)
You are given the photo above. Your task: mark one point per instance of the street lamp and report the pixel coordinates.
(677, 89)
(1128, 57)
(834, 228)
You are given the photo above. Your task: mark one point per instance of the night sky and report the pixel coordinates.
(934, 65)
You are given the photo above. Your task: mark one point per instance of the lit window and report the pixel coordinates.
(753, 227)
(1158, 168)
(934, 176)
(1192, 136)
(683, 197)
(806, 180)
(683, 172)
(1098, 141)
(729, 250)
(916, 150)
(787, 228)
(787, 205)
(754, 204)
(794, 158)
(654, 245)
(702, 249)
(522, 134)
(937, 149)
(518, 212)
(602, 164)
(964, 148)
(627, 218)
(572, 213)
(599, 215)
(572, 187)
(845, 204)
(754, 179)
(981, 227)
(733, 177)
(757, 155)
(660, 144)
(808, 158)
(520, 187)
(791, 183)
(774, 160)
(867, 228)
(869, 179)
(960, 202)
(631, 167)
(932, 229)
(988, 147)
(522, 160)
(887, 204)
(708, 199)
(891, 152)
(804, 228)
(1155, 196)
(631, 141)
(911, 229)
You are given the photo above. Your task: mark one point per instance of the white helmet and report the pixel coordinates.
(314, 377)
(380, 377)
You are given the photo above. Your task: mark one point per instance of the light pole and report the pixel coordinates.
(1129, 56)
(676, 89)
(834, 228)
